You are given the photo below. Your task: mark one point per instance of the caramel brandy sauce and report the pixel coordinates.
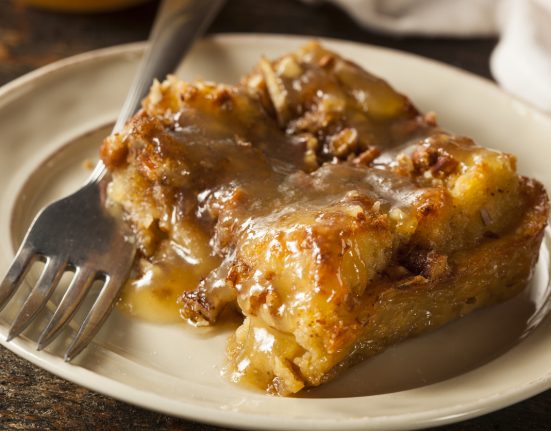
(212, 157)
(152, 292)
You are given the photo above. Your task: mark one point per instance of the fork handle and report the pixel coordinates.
(177, 25)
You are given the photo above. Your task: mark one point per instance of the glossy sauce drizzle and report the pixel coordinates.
(220, 160)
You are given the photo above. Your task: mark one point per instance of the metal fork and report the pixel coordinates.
(78, 233)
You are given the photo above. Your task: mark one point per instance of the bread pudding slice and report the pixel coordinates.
(321, 204)
(333, 285)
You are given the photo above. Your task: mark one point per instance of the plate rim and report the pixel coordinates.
(139, 47)
(124, 392)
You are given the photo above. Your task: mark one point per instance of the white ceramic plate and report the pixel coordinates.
(53, 119)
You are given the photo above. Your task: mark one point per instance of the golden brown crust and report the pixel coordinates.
(340, 109)
(337, 217)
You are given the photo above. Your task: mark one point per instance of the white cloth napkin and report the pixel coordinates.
(520, 63)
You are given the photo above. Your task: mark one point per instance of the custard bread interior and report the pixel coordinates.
(323, 206)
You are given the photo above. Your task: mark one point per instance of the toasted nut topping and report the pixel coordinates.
(288, 67)
(344, 142)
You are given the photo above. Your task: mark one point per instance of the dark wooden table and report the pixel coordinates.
(31, 398)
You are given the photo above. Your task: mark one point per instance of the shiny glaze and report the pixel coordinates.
(225, 167)
(316, 199)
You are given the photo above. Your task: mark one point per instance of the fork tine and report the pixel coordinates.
(15, 274)
(55, 267)
(69, 304)
(95, 318)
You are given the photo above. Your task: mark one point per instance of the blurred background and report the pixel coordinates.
(31, 37)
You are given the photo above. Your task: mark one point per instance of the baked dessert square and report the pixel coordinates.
(323, 206)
